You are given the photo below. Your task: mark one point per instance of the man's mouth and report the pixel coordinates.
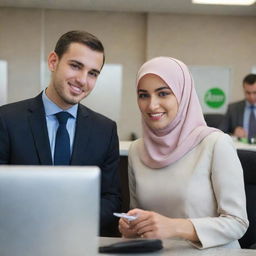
(75, 88)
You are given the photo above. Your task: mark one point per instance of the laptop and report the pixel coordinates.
(49, 210)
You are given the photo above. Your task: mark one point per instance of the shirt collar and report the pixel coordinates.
(51, 108)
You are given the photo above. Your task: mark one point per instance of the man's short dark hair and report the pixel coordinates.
(250, 79)
(78, 36)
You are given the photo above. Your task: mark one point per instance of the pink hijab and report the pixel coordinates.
(161, 148)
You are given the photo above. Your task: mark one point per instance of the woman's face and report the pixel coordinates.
(156, 101)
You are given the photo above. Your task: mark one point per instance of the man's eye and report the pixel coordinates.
(94, 74)
(74, 66)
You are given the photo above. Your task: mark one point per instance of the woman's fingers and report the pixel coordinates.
(144, 229)
(123, 223)
(125, 229)
(144, 225)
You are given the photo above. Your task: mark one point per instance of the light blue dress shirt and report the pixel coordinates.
(247, 112)
(52, 123)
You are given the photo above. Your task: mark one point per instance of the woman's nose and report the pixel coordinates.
(154, 103)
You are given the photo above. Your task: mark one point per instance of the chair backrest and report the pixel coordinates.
(213, 120)
(248, 161)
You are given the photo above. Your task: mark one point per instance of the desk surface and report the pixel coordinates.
(174, 247)
(124, 147)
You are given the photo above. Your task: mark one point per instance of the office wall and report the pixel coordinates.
(20, 46)
(206, 40)
(27, 36)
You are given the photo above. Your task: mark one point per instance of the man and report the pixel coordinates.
(240, 117)
(28, 129)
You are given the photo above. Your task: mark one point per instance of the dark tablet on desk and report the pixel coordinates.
(133, 246)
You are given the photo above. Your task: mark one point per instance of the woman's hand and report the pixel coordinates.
(153, 225)
(125, 229)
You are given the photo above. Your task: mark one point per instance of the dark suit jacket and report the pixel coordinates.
(24, 141)
(234, 117)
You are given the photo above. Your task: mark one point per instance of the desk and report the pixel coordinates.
(173, 247)
(244, 146)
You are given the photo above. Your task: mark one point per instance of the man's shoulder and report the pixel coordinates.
(95, 115)
(17, 107)
(237, 105)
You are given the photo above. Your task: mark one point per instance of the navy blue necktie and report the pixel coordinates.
(62, 141)
(252, 124)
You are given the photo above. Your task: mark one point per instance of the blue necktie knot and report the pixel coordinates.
(62, 117)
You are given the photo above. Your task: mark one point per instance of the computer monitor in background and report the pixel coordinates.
(49, 210)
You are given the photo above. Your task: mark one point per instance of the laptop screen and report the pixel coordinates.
(49, 210)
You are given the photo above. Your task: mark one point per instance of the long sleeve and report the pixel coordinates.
(110, 187)
(233, 117)
(132, 185)
(228, 187)
(225, 125)
(4, 142)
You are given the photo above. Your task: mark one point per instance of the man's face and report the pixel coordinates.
(74, 75)
(250, 93)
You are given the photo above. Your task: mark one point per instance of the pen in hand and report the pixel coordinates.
(124, 215)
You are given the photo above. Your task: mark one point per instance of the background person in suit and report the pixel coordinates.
(236, 119)
(179, 184)
(28, 128)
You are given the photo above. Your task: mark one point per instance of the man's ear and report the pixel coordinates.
(53, 60)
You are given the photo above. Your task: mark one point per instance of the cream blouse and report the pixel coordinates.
(206, 186)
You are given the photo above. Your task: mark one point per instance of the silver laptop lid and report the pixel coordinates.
(49, 210)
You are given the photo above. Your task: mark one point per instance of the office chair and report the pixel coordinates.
(213, 120)
(248, 161)
(123, 173)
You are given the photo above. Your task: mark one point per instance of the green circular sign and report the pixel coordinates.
(214, 98)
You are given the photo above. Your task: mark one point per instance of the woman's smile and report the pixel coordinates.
(156, 116)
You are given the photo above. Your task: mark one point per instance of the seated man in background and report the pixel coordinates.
(240, 118)
(55, 129)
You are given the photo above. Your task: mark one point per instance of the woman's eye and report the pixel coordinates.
(142, 95)
(162, 94)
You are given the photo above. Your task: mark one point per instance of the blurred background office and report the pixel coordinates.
(218, 42)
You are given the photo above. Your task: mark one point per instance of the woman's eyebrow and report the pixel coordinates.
(163, 88)
(141, 90)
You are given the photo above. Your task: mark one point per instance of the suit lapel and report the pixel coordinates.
(241, 114)
(82, 135)
(39, 130)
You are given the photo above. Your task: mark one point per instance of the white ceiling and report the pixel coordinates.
(157, 6)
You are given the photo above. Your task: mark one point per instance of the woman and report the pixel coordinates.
(185, 176)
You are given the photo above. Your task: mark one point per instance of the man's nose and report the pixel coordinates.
(82, 77)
